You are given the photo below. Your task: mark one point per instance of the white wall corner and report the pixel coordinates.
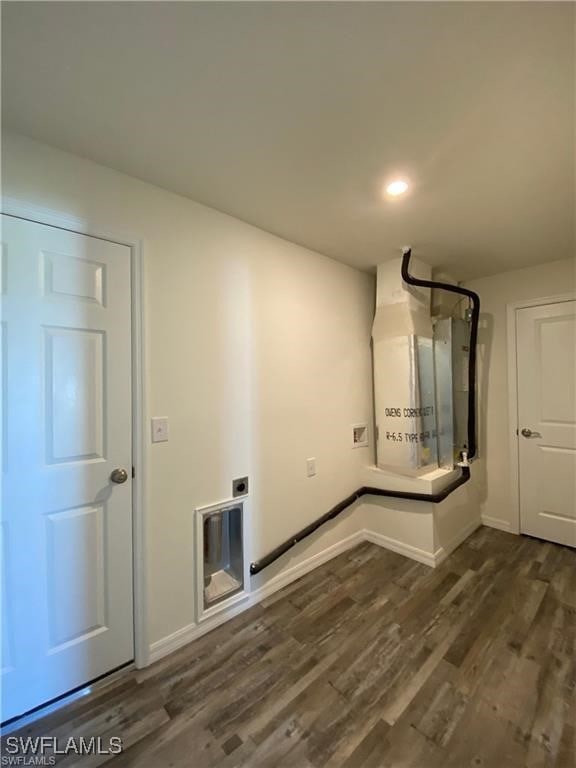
(401, 548)
(500, 524)
(448, 547)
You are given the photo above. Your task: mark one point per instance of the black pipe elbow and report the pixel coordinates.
(408, 278)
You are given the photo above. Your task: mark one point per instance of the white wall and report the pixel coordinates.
(257, 351)
(491, 473)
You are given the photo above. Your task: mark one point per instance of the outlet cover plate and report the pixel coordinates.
(311, 466)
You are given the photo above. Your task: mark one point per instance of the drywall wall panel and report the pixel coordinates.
(258, 353)
(491, 473)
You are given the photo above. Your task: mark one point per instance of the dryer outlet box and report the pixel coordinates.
(240, 487)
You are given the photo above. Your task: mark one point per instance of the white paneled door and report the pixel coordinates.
(66, 427)
(546, 358)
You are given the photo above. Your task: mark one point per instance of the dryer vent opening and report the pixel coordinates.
(222, 549)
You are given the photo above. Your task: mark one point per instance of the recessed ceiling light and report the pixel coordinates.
(397, 187)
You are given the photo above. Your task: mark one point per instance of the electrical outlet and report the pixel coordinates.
(310, 467)
(239, 486)
(159, 429)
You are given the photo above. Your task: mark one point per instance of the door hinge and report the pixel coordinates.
(133, 471)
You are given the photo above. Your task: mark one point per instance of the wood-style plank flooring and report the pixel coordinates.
(370, 661)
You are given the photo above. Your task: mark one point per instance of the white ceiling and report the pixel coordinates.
(291, 116)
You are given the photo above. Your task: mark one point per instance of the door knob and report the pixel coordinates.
(528, 433)
(119, 475)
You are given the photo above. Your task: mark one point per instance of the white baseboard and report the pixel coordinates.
(300, 569)
(193, 631)
(186, 634)
(496, 522)
(414, 553)
(442, 552)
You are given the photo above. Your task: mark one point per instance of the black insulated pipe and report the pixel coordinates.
(407, 277)
(434, 498)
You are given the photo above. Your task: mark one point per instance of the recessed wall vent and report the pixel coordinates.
(220, 556)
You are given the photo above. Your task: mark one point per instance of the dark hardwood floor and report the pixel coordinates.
(370, 661)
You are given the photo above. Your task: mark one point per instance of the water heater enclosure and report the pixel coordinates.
(404, 391)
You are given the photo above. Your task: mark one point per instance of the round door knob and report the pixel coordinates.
(529, 433)
(119, 476)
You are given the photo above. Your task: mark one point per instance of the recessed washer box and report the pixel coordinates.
(359, 435)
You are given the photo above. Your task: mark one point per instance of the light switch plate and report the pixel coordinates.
(311, 467)
(159, 429)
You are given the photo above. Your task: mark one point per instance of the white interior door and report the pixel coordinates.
(66, 528)
(546, 356)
